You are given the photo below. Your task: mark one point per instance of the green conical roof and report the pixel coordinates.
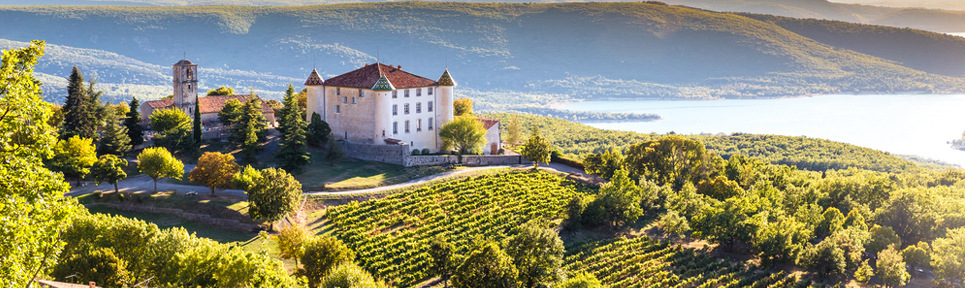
(383, 84)
(446, 80)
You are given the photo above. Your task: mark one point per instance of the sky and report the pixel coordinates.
(937, 4)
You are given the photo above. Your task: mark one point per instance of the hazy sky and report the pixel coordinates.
(938, 4)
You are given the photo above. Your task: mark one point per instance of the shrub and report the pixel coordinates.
(349, 275)
(425, 151)
(415, 151)
(120, 196)
(321, 255)
(99, 194)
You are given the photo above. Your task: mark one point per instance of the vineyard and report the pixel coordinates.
(644, 262)
(391, 235)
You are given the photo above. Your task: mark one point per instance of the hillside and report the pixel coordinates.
(579, 50)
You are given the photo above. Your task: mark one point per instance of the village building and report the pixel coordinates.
(185, 97)
(385, 105)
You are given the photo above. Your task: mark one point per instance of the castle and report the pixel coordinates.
(384, 105)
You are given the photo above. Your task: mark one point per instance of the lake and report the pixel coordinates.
(901, 124)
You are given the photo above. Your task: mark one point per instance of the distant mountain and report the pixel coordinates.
(576, 50)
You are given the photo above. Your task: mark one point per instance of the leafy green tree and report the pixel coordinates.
(906, 212)
(864, 273)
(726, 222)
(832, 220)
(487, 266)
(318, 131)
(620, 199)
(173, 129)
(780, 240)
(250, 132)
(673, 222)
(581, 280)
(196, 127)
(916, 255)
(826, 257)
(881, 238)
(230, 113)
(672, 160)
(443, 258)
(603, 164)
(537, 253)
(221, 91)
(948, 257)
(321, 255)
(855, 219)
(292, 153)
(537, 148)
(891, 268)
(720, 188)
(109, 169)
(335, 151)
(157, 163)
(290, 241)
(273, 194)
(100, 265)
(135, 131)
(348, 275)
(35, 211)
(116, 140)
(462, 107)
(574, 212)
(214, 170)
(513, 130)
(852, 241)
(464, 134)
(74, 157)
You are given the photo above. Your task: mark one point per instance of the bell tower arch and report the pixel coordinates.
(185, 85)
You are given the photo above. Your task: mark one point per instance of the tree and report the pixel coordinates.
(780, 240)
(221, 91)
(349, 275)
(948, 257)
(603, 164)
(99, 265)
(214, 170)
(230, 113)
(173, 129)
(116, 140)
(157, 163)
(672, 159)
(891, 268)
(538, 254)
(826, 257)
(864, 273)
(916, 255)
(290, 241)
(881, 238)
(135, 131)
(537, 148)
(196, 128)
(74, 157)
(318, 131)
(443, 258)
(674, 223)
(513, 130)
(832, 220)
(321, 255)
(620, 200)
(719, 188)
(35, 211)
(80, 112)
(465, 134)
(335, 151)
(487, 266)
(250, 132)
(292, 153)
(109, 169)
(462, 107)
(56, 116)
(581, 280)
(273, 194)
(725, 222)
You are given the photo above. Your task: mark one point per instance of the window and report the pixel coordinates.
(344, 99)
(189, 75)
(338, 91)
(406, 126)
(418, 92)
(418, 107)
(406, 94)
(395, 127)
(429, 90)
(354, 101)
(430, 123)
(361, 93)
(338, 109)
(405, 108)
(418, 125)
(395, 109)
(395, 94)
(429, 105)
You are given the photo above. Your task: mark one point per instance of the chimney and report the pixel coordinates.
(93, 285)
(399, 67)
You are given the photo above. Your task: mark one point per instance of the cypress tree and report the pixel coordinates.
(290, 93)
(250, 131)
(135, 131)
(115, 140)
(318, 131)
(292, 153)
(75, 106)
(197, 122)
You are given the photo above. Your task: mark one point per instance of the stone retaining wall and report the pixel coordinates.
(392, 154)
(400, 155)
(200, 218)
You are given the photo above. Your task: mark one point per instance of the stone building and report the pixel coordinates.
(185, 97)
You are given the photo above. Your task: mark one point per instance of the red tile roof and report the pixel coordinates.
(366, 77)
(393, 141)
(487, 123)
(209, 104)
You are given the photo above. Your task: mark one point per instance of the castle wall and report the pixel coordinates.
(353, 122)
(400, 155)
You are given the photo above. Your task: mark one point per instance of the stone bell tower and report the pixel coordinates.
(185, 85)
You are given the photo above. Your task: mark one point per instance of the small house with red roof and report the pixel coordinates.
(186, 98)
(385, 105)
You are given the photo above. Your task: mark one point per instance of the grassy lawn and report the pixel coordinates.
(165, 221)
(349, 174)
(218, 206)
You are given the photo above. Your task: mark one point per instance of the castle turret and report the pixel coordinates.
(383, 104)
(315, 96)
(185, 85)
(445, 94)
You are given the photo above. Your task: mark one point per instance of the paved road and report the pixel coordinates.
(144, 183)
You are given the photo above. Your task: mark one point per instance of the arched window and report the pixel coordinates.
(189, 73)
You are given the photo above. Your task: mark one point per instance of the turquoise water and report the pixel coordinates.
(901, 124)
